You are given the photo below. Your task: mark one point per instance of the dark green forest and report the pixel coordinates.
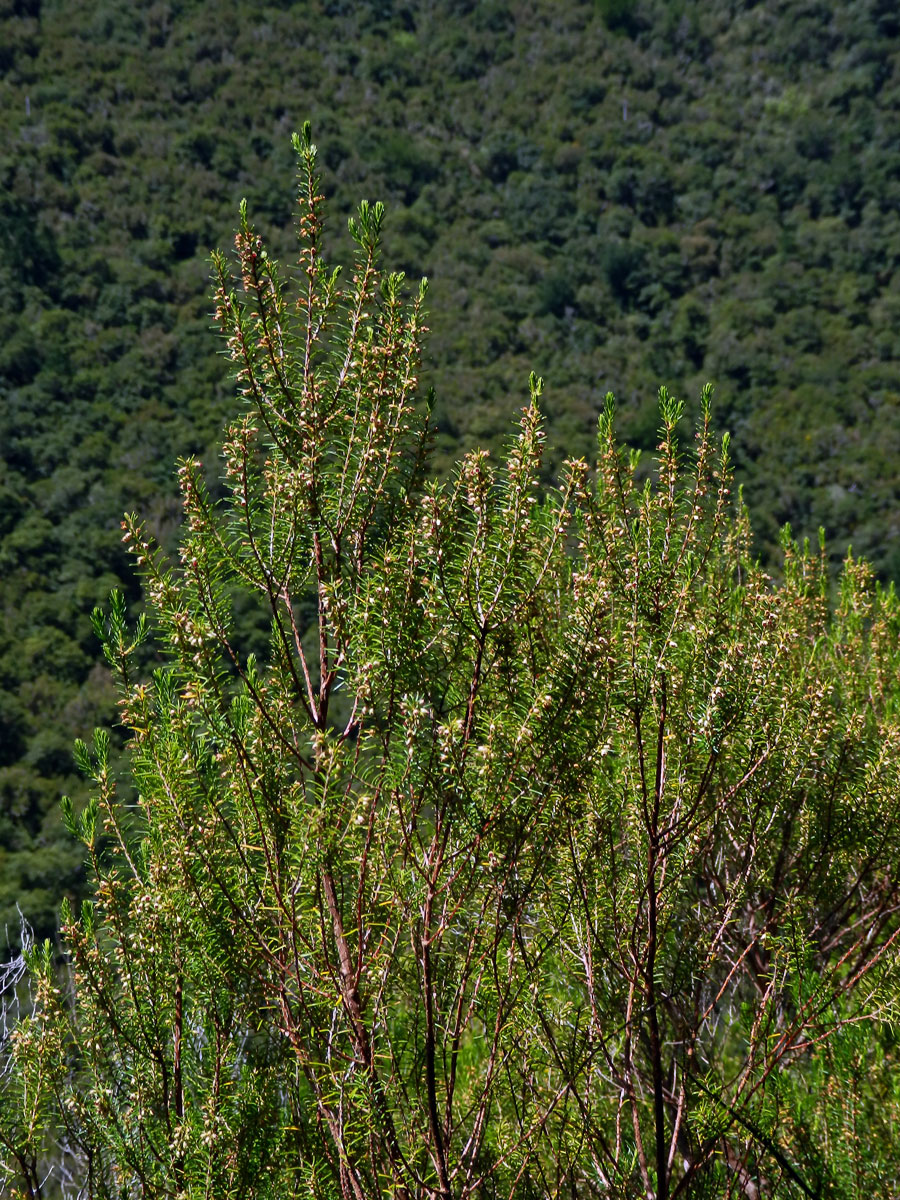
(615, 194)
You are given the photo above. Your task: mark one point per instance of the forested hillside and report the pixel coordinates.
(613, 194)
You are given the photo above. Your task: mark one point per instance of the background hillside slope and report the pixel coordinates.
(613, 194)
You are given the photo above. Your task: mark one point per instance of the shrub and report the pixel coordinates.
(549, 848)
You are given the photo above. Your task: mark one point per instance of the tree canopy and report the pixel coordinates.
(615, 194)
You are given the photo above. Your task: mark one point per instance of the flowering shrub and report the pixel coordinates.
(550, 849)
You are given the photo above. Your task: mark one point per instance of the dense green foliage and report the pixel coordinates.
(614, 193)
(559, 859)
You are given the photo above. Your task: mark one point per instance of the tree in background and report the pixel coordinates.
(551, 850)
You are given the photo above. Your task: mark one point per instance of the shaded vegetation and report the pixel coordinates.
(613, 193)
